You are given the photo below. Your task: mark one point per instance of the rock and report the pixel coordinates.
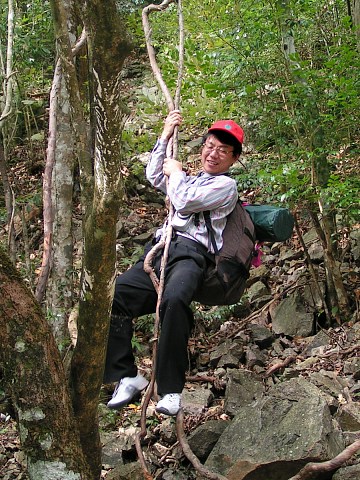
(257, 274)
(167, 430)
(195, 401)
(143, 237)
(352, 366)
(170, 474)
(312, 296)
(316, 253)
(321, 339)
(228, 361)
(129, 471)
(355, 244)
(329, 382)
(255, 357)
(243, 388)
(272, 438)
(292, 318)
(287, 255)
(112, 448)
(348, 417)
(310, 237)
(235, 348)
(347, 473)
(203, 439)
(261, 335)
(258, 294)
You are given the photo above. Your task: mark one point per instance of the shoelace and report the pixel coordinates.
(117, 388)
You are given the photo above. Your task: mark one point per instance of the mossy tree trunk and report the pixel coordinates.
(34, 374)
(108, 48)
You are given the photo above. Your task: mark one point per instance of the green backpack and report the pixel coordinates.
(225, 278)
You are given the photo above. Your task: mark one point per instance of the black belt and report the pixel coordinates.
(193, 243)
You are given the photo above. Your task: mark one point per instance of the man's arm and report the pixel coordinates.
(158, 167)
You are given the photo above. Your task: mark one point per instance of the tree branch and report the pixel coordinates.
(188, 452)
(48, 171)
(306, 472)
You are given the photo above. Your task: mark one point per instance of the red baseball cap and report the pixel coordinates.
(229, 126)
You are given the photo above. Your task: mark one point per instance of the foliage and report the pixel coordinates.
(234, 67)
(33, 48)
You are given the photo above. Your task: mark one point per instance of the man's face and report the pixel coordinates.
(217, 157)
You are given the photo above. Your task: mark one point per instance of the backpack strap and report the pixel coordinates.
(210, 230)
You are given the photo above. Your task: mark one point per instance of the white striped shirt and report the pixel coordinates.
(192, 194)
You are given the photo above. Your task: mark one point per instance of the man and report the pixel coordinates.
(189, 253)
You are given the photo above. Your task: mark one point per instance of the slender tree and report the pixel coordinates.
(101, 191)
(7, 77)
(324, 221)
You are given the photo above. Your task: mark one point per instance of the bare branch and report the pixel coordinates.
(306, 472)
(151, 51)
(279, 366)
(47, 179)
(188, 452)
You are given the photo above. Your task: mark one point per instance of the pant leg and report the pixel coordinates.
(134, 296)
(184, 272)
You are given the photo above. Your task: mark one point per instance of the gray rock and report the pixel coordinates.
(329, 382)
(129, 471)
(347, 473)
(112, 448)
(348, 417)
(195, 401)
(167, 430)
(243, 388)
(228, 361)
(255, 357)
(310, 236)
(316, 252)
(352, 366)
(258, 294)
(321, 339)
(170, 474)
(257, 274)
(203, 439)
(234, 348)
(218, 352)
(272, 438)
(292, 318)
(312, 296)
(261, 335)
(287, 255)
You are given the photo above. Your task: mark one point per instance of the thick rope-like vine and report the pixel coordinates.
(164, 244)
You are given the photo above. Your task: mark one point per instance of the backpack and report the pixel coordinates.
(225, 277)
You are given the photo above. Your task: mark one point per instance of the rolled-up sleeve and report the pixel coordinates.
(154, 168)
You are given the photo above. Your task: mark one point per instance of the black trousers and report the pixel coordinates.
(135, 296)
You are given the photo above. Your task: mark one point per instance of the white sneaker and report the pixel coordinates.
(170, 404)
(126, 390)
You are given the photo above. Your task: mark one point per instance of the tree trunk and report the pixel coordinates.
(108, 49)
(59, 292)
(9, 203)
(35, 376)
(7, 77)
(356, 20)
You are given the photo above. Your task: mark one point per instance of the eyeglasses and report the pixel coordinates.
(221, 151)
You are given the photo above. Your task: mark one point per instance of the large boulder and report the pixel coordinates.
(291, 317)
(275, 436)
